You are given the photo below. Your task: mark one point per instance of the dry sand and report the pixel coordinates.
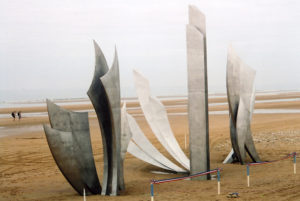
(28, 171)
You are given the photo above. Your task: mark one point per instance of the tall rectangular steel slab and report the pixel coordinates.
(197, 93)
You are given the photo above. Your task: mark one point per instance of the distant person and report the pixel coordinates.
(13, 114)
(19, 115)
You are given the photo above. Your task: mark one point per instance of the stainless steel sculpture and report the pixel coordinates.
(70, 133)
(111, 83)
(141, 147)
(157, 118)
(104, 94)
(137, 152)
(132, 148)
(125, 136)
(241, 98)
(197, 93)
(70, 145)
(61, 147)
(100, 103)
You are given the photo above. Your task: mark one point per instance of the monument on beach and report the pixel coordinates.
(104, 94)
(241, 99)
(156, 115)
(69, 136)
(141, 147)
(70, 145)
(197, 93)
(157, 119)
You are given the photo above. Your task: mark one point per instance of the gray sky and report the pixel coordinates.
(47, 45)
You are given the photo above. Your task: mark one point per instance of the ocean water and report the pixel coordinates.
(42, 94)
(17, 130)
(35, 100)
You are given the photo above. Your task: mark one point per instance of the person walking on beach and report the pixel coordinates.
(13, 114)
(19, 115)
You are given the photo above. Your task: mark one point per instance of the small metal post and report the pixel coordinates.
(248, 175)
(84, 197)
(152, 192)
(219, 182)
(295, 169)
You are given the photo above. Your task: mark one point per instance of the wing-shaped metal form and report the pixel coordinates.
(137, 152)
(62, 149)
(157, 118)
(241, 98)
(129, 145)
(111, 83)
(76, 123)
(197, 93)
(125, 137)
(104, 93)
(59, 117)
(100, 103)
(83, 149)
(140, 143)
(125, 132)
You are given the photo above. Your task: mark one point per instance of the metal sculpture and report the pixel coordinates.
(241, 98)
(131, 147)
(100, 103)
(157, 118)
(197, 93)
(137, 152)
(61, 147)
(125, 137)
(141, 147)
(104, 94)
(111, 83)
(126, 134)
(69, 137)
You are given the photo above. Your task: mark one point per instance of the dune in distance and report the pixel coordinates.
(28, 171)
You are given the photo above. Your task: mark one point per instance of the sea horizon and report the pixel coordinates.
(38, 95)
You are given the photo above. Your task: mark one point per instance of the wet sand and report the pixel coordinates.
(28, 171)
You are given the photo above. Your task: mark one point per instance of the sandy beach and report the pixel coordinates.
(28, 171)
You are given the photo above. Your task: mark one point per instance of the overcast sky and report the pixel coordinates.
(47, 45)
